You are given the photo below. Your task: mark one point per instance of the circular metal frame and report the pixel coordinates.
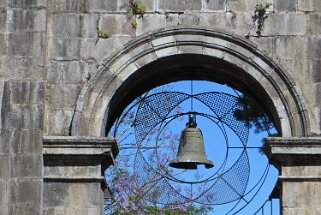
(228, 183)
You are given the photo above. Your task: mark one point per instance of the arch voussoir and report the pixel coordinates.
(93, 107)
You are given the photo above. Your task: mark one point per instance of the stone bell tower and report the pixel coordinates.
(62, 64)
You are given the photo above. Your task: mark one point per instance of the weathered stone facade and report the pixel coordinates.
(58, 78)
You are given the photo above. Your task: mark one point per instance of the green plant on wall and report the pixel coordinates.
(134, 8)
(260, 15)
(88, 76)
(101, 34)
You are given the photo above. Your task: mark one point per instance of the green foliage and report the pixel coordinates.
(103, 34)
(134, 7)
(261, 9)
(134, 24)
(253, 115)
(88, 76)
(260, 17)
(248, 35)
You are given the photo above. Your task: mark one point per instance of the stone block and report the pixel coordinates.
(102, 5)
(57, 121)
(189, 19)
(285, 5)
(97, 49)
(4, 141)
(317, 91)
(26, 20)
(288, 47)
(62, 48)
(72, 6)
(5, 166)
(116, 25)
(27, 92)
(3, 4)
(54, 210)
(28, 3)
(2, 193)
(313, 49)
(6, 96)
(76, 195)
(150, 5)
(265, 44)
(150, 22)
(24, 191)
(179, 5)
(26, 141)
(172, 19)
(26, 209)
(61, 96)
(29, 43)
(83, 211)
(286, 24)
(296, 211)
(28, 117)
(71, 95)
(301, 194)
(3, 19)
(314, 27)
(3, 46)
(247, 5)
(69, 171)
(90, 67)
(55, 96)
(26, 166)
(67, 25)
(89, 28)
(215, 5)
(85, 194)
(238, 23)
(55, 194)
(29, 67)
(219, 20)
(56, 70)
(309, 5)
(304, 69)
(315, 69)
(70, 72)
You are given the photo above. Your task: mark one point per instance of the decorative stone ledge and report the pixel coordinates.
(73, 173)
(297, 158)
(280, 147)
(77, 158)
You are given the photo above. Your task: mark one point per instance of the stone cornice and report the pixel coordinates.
(75, 158)
(292, 150)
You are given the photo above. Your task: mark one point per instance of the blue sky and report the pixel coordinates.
(223, 147)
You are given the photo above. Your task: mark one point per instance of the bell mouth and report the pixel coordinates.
(190, 165)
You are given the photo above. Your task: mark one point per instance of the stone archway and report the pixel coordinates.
(218, 53)
(166, 55)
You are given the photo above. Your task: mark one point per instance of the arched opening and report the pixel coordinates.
(241, 181)
(180, 53)
(189, 67)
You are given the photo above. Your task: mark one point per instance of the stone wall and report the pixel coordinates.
(291, 36)
(49, 48)
(22, 98)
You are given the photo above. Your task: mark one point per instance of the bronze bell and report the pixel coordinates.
(191, 151)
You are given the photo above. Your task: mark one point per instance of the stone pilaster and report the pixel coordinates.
(299, 163)
(74, 173)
